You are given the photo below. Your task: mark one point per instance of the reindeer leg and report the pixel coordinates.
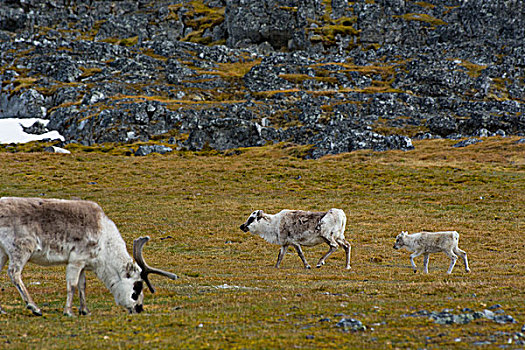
(348, 249)
(3, 260)
(73, 271)
(412, 256)
(82, 293)
(425, 262)
(463, 255)
(330, 251)
(282, 252)
(17, 261)
(301, 255)
(453, 258)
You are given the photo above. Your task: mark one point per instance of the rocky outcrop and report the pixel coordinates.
(144, 150)
(281, 24)
(338, 75)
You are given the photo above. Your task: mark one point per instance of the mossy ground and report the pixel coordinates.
(230, 295)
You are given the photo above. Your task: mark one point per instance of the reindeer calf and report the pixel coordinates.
(432, 242)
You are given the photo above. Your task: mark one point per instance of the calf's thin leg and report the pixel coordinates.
(425, 262)
(463, 255)
(301, 255)
(412, 256)
(453, 258)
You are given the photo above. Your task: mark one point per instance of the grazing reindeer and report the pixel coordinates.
(78, 234)
(432, 242)
(297, 227)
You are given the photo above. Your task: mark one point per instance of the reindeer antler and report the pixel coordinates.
(138, 244)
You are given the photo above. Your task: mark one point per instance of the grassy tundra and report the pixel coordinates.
(231, 296)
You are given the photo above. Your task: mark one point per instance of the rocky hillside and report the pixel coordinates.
(219, 74)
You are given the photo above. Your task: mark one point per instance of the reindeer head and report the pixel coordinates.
(129, 294)
(254, 217)
(128, 290)
(400, 240)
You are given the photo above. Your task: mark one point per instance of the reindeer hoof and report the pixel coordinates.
(308, 267)
(34, 309)
(83, 312)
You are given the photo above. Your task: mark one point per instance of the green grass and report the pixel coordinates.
(200, 201)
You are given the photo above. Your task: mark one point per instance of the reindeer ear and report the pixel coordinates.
(259, 214)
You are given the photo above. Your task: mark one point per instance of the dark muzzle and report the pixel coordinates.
(244, 228)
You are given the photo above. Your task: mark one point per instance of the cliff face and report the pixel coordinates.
(224, 74)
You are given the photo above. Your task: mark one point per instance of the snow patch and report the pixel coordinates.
(11, 131)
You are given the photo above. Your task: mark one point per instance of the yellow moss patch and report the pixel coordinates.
(64, 105)
(87, 72)
(473, 70)
(299, 78)
(131, 41)
(48, 91)
(90, 35)
(498, 90)
(23, 83)
(196, 37)
(327, 33)
(422, 17)
(425, 4)
(381, 126)
(379, 89)
(329, 28)
(232, 71)
(384, 70)
(271, 93)
(200, 17)
(288, 8)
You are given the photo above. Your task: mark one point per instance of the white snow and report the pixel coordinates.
(11, 131)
